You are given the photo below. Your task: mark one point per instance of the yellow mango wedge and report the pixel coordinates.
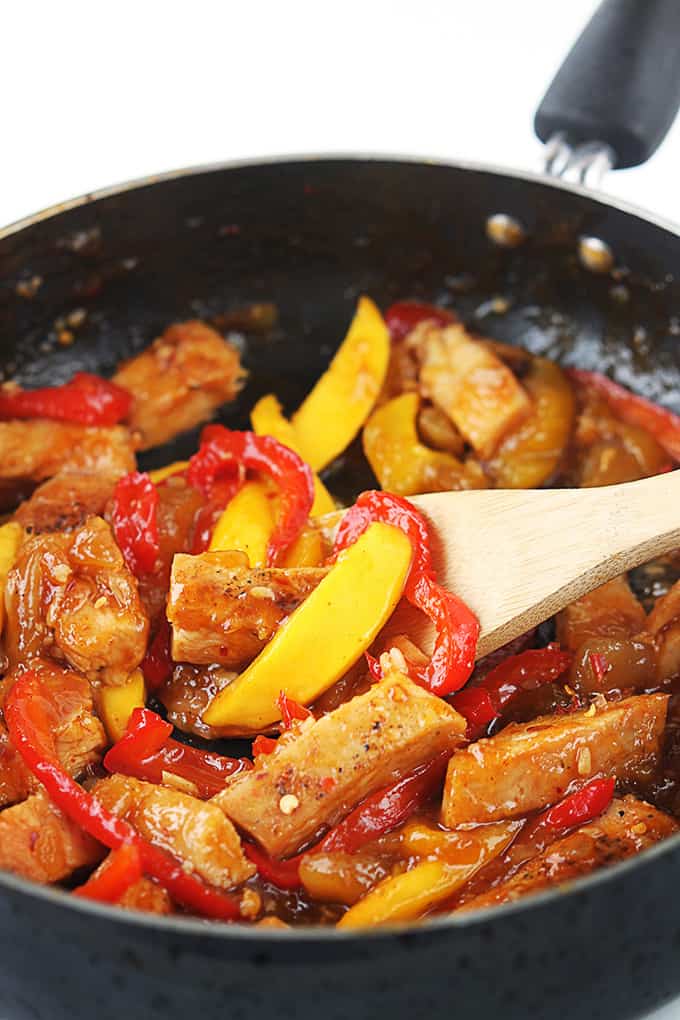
(331, 415)
(323, 637)
(117, 703)
(247, 523)
(306, 551)
(409, 895)
(404, 465)
(268, 419)
(11, 537)
(160, 474)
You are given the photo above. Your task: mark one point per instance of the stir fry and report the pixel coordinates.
(202, 709)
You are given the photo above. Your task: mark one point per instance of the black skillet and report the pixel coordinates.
(310, 235)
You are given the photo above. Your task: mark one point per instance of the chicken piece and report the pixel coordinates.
(610, 451)
(627, 827)
(72, 594)
(316, 776)
(16, 782)
(663, 624)
(530, 765)
(148, 896)
(196, 832)
(38, 842)
(187, 694)
(31, 451)
(65, 502)
(225, 614)
(477, 391)
(609, 611)
(179, 381)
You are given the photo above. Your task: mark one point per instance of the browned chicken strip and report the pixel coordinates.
(37, 841)
(316, 777)
(627, 827)
(224, 614)
(36, 450)
(72, 594)
(609, 611)
(196, 832)
(663, 624)
(530, 765)
(66, 501)
(179, 381)
(16, 782)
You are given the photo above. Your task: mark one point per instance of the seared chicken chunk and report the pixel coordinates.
(530, 765)
(609, 611)
(35, 450)
(179, 381)
(663, 624)
(225, 614)
(16, 782)
(196, 832)
(37, 841)
(627, 827)
(466, 380)
(148, 896)
(314, 778)
(66, 501)
(72, 594)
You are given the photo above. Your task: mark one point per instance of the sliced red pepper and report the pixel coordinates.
(146, 751)
(456, 626)
(403, 317)
(635, 410)
(133, 518)
(284, 874)
(386, 809)
(263, 745)
(291, 710)
(31, 722)
(373, 666)
(481, 703)
(121, 869)
(157, 663)
(86, 400)
(582, 806)
(224, 451)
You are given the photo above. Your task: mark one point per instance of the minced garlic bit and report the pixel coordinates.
(398, 660)
(591, 711)
(100, 602)
(61, 573)
(639, 829)
(260, 591)
(584, 762)
(570, 691)
(178, 783)
(251, 904)
(288, 804)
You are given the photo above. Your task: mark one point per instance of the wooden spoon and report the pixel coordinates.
(518, 556)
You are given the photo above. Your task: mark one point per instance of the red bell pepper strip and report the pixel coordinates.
(284, 874)
(530, 669)
(403, 317)
(386, 809)
(133, 518)
(291, 710)
(456, 626)
(121, 869)
(85, 400)
(582, 806)
(146, 751)
(157, 663)
(30, 722)
(635, 410)
(223, 451)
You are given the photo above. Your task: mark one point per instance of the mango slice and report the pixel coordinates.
(11, 537)
(409, 895)
(306, 551)
(115, 704)
(332, 414)
(404, 465)
(247, 523)
(268, 419)
(323, 637)
(160, 474)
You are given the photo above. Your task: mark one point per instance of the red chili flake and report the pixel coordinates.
(599, 665)
(291, 710)
(263, 745)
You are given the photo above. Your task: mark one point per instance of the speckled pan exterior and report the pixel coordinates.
(310, 235)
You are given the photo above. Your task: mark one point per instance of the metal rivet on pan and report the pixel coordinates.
(505, 230)
(595, 254)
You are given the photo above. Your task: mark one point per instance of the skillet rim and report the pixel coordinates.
(187, 926)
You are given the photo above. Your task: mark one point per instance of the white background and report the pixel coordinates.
(93, 94)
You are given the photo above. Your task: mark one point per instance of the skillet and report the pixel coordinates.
(310, 235)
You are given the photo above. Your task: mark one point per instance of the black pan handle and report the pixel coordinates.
(620, 83)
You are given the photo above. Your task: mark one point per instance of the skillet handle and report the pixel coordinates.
(619, 86)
